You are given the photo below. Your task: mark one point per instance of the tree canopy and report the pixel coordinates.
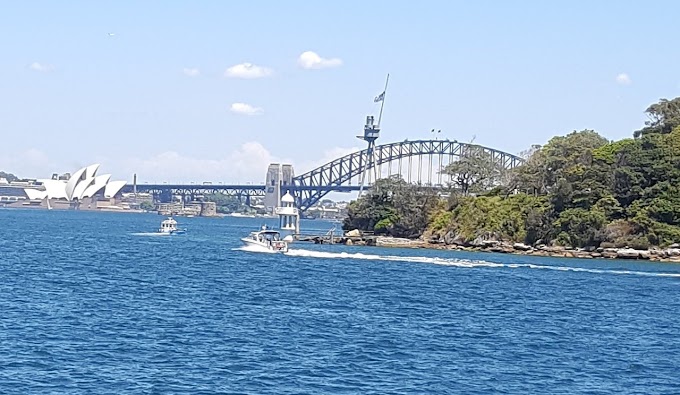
(475, 171)
(664, 116)
(226, 204)
(392, 207)
(8, 176)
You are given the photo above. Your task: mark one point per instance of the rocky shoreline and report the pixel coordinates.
(670, 254)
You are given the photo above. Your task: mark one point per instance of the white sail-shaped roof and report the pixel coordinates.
(73, 181)
(56, 189)
(83, 184)
(35, 194)
(112, 188)
(81, 187)
(99, 183)
(91, 170)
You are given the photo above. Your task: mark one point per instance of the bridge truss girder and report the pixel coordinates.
(239, 191)
(312, 186)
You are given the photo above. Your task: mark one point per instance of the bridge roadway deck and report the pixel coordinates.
(245, 189)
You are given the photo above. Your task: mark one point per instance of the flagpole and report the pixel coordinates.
(383, 100)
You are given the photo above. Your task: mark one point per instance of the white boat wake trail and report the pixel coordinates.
(256, 248)
(151, 234)
(465, 263)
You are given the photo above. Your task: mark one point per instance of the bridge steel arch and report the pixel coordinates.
(312, 186)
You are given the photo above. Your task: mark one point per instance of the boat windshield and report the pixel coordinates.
(270, 236)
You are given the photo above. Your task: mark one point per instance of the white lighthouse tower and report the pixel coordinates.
(289, 216)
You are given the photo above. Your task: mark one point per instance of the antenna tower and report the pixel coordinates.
(371, 133)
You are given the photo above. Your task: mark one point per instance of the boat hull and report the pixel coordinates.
(276, 246)
(172, 232)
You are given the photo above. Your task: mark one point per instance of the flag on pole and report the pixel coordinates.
(380, 97)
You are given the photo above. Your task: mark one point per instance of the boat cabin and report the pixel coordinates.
(266, 236)
(168, 225)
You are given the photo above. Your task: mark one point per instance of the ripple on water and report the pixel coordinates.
(90, 304)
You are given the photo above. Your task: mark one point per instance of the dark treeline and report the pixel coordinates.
(8, 176)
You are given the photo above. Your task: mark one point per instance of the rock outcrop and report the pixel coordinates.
(451, 241)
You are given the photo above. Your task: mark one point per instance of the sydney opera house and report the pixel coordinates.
(83, 189)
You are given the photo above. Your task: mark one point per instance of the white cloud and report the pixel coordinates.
(311, 60)
(245, 109)
(41, 67)
(248, 163)
(623, 79)
(191, 72)
(247, 71)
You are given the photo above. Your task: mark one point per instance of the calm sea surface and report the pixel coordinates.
(89, 303)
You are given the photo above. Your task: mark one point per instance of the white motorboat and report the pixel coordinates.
(169, 226)
(268, 239)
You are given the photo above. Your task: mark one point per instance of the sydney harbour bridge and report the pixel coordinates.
(419, 162)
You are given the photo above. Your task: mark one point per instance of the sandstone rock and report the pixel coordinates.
(484, 243)
(521, 247)
(452, 238)
(499, 249)
(671, 252)
(608, 253)
(353, 233)
(628, 253)
(555, 249)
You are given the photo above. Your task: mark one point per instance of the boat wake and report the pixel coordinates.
(151, 234)
(256, 248)
(464, 263)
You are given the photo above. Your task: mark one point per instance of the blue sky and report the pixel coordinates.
(156, 98)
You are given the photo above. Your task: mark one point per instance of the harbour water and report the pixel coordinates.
(93, 303)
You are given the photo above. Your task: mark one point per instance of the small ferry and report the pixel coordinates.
(169, 226)
(266, 238)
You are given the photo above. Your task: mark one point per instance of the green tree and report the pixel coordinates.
(475, 170)
(393, 207)
(225, 204)
(664, 116)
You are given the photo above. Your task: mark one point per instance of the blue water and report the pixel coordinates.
(89, 304)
